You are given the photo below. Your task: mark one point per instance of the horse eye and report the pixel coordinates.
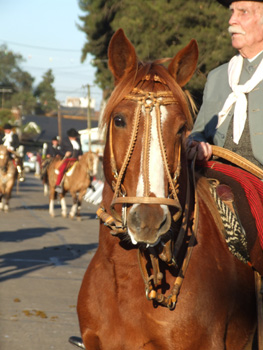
(181, 130)
(119, 121)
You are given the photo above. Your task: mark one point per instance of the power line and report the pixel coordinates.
(39, 47)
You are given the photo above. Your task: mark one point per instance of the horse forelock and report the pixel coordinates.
(137, 79)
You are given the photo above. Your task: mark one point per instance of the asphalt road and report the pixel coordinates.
(42, 262)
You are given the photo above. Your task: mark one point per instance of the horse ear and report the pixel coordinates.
(122, 55)
(183, 65)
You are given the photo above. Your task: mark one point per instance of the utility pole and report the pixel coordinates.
(89, 117)
(59, 124)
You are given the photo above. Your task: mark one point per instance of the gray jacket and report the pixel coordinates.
(216, 91)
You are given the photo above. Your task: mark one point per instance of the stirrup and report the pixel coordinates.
(77, 341)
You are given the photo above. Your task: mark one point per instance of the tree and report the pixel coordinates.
(98, 29)
(14, 82)
(158, 28)
(45, 93)
(6, 116)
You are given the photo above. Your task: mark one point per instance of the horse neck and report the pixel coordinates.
(8, 167)
(82, 164)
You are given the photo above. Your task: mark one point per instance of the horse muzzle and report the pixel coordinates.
(146, 223)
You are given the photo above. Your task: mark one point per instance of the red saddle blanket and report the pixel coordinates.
(253, 188)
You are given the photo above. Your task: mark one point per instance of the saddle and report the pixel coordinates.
(70, 163)
(238, 191)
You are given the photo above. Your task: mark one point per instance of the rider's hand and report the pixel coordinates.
(67, 154)
(203, 150)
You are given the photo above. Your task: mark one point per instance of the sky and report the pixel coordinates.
(45, 33)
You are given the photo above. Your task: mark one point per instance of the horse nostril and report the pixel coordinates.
(163, 222)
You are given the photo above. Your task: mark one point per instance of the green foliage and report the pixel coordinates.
(157, 28)
(98, 30)
(46, 94)
(6, 116)
(23, 100)
(14, 82)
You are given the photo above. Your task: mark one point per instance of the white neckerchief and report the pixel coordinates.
(8, 138)
(75, 144)
(238, 95)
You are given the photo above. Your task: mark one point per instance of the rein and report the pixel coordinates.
(152, 282)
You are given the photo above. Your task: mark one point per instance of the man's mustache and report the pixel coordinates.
(236, 30)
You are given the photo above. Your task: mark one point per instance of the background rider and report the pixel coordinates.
(11, 141)
(72, 151)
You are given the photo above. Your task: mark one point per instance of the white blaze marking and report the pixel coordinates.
(156, 169)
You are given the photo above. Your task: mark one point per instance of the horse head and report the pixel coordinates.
(147, 118)
(4, 157)
(91, 161)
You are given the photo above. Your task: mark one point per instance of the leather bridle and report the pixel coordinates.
(118, 223)
(146, 100)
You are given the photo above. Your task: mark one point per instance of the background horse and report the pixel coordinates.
(44, 172)
(8, 175)
(161, 236)
(76, 181)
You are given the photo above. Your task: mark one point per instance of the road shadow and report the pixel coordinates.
(27, 233)
(18, 264)
(31, 207)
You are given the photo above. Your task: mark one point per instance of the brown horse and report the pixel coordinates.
(160, 234)
(8, 175)
(44, 172)
(76, 181)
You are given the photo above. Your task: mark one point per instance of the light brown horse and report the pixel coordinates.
(8, 175)
(76, 181)
(162, 276)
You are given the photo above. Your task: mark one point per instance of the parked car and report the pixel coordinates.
(29, 164)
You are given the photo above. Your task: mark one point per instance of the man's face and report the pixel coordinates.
(7, 131)
(246, 27)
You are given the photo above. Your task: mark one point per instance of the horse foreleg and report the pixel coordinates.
(74, 207)
(6, 199)
(80, 197)
(51, 201)
(91, 340)
(63, 206)
(6, 204)
(78, 209)
(1, 202)
(45, 189)
(51, 207)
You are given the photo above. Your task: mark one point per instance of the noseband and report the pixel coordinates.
(148, 101)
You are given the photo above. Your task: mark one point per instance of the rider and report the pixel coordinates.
(11, 141)
(231, 114)
(72, 151)
(49, 152)
(54, 148)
